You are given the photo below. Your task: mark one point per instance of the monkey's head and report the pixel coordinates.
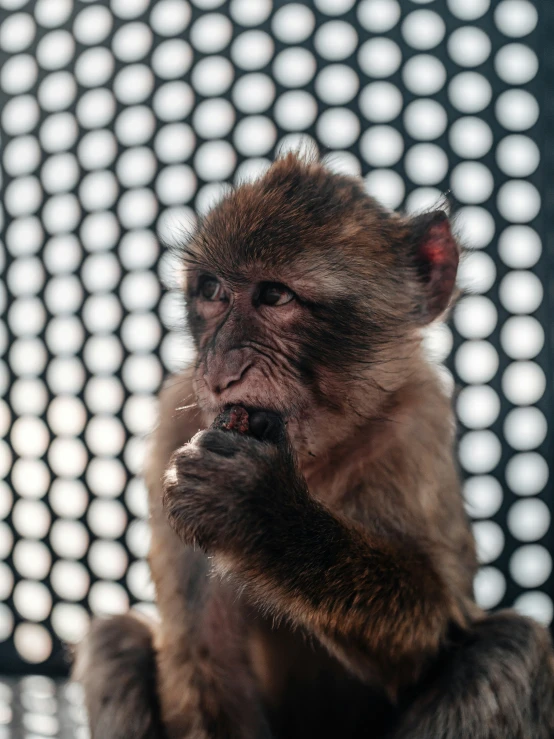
(306, 297)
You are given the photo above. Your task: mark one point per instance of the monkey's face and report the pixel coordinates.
(304, 298)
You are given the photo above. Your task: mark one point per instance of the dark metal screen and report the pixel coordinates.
(120, 120)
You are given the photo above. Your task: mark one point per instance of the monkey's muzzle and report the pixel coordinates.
(261, 424)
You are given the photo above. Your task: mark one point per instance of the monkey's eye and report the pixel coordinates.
(211, 289)
(273, 293)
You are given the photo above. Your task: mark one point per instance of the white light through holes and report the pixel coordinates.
(122, 113)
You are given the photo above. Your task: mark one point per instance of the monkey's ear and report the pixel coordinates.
(437, 255)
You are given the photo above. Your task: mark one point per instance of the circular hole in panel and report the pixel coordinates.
(293, 23)
(52, 13)
(66, 415)
(33, 642)
(525, 428)
(295, 67)
(96, 108)
(338, 128)
(489, 541)
(518, 201)
(517, 110)
(94, 67)
(29, 436)
(105, 435)
(379, 57)
(380, 101)
(516, 64)
(519, 247)
(137, 208)
(478, 406)
(30, 477)
(99, 232)
(425, 119)
(107, 518)
(70, 580)
(103, 395)
(522, 337)
(139, 581)
(24, 236)
(133, 84)
(472, 182)
(468, 10)
(108, 560)
(437, 341)
(138, 538)
(251, 170)
(253, 93)
(67, 457)
(98, 190)
(125, 10)
(106, 477)
(172, 101)
(20, 115)
(173, 59)
(423, 198)
(527, 473)
(295, 110)
(25, 276)
(381, 146)
(529, 520)
(136, 167)
(213, 119)
(176, 184)
(17, 32)
(489, 587)
(342, 162)
(60, 173)
(530, 565)
(65, 375)
(23, 196)
(426, 164)
(515, 17)
(424, 74)
(55, 50)
(27, 357)
(483, 496)
(423, 29)
(386, 186)
(32, 559)
(140, 414)
(523, 383)
(250, 12)
(64, 335)
(69, 539)
(469, 46)
(31, 518)
(6, 581)
(479, 452)
(470, 137)
(173, 143)
(378, 16)
(138, 250)
(139, 291)
(132, 42)
(6, 540)
(475, 317)
(469, 92)
(476, 273)
(70, 622)
(334, 7)
(18, 74)
(517, 156)
(92, 25)
(32, 600)
(97, 149)
(142, 374)
(108, 598)
(474, 226)
(213, 75)
(520, 292)
(170, 17)
(212, 32)
(102, 313)
(254, 135)
(535, 605)
(252, 50)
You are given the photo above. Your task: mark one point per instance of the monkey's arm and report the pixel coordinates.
(375, 599)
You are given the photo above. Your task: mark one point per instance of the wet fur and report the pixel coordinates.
(319, 586)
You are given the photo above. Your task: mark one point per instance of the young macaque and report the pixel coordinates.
(312, 559)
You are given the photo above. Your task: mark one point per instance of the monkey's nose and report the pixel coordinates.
(218, 381)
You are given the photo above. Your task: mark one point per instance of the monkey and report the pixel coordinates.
(310, 550)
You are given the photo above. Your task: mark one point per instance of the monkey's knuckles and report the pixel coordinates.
(208, 484)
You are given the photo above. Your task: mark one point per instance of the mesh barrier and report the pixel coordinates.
(120, 120)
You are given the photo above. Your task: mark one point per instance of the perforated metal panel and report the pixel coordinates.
(122, 119)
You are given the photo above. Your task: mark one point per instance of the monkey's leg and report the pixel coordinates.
(497, 684)
(116, 667)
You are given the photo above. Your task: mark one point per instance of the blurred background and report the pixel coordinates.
(120, 121)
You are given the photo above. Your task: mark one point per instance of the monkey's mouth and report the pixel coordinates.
(263, 424)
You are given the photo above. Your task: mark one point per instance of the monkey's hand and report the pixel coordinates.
(219, 488)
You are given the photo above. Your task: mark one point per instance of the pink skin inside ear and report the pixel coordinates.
(440, 252)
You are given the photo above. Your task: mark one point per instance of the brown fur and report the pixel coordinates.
(336, 597)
